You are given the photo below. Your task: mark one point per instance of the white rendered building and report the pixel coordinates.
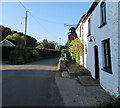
(99, 30)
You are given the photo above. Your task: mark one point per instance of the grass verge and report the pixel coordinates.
(76, 68)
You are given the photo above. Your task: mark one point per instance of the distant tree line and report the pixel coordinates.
(17, 37)
(47, 44)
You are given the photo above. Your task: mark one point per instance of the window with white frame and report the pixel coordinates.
(106, 56)
(103, 13)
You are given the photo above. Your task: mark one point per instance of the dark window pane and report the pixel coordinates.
(89, 27)
(103, 13)
(107, 55)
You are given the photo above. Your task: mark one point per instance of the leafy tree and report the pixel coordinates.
(48, 44)
(13, 31)
(52, 44)
(45, 43)
(31, 42)
(5, 32)
(39, 43)
(35, 55)
(40, 46)
(17, 37)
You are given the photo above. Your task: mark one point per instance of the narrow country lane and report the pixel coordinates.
(31, 84)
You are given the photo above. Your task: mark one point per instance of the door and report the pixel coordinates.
(97, 76)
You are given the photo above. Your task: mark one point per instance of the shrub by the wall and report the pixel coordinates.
(19, 56)
(76, 49)
(6, 52)
(46, 53)
(35, 55)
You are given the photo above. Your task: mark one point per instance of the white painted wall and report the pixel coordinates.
(79, 34)
(85, 33)
(119, 46)
(108, 81)
(78, 31)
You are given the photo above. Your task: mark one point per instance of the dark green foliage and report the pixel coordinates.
(5, 32)
(68, 42)
(45, 43)
(22, 55)
(39, 47)
(52, 45)
(35, 55)
(13, 31)
(19, 56)
(45, 53)
(17, 36)
(31, 42)
(6, 52)
(48, 44)
(115, 103)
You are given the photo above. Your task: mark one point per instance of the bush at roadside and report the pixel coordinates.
(22, 55)
(35, 55)
(19, 56)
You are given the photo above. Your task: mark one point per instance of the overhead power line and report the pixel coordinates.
(34, 17)
(40, 18)
(22, 5)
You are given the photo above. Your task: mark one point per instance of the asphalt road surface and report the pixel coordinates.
(31, 84)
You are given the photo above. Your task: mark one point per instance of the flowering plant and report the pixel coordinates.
(77, 49)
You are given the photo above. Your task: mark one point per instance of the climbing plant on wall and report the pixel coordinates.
(76, 48)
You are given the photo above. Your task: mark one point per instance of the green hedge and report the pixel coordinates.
(6, 52)
(22, 55)
(19, 55)
(45, 53)
(35, 55)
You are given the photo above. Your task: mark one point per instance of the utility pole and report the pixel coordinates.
(25, 26)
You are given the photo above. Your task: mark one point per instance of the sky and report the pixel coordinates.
(45, 19)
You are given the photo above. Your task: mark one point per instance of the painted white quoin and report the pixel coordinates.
(99, 30)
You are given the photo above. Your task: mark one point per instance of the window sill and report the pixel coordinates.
(107, 69)
(102, 25)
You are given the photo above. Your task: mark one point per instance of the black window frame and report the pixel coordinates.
(80, 31)
(85, 48)
(107, 55)
(103, 19)
(89, 27)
